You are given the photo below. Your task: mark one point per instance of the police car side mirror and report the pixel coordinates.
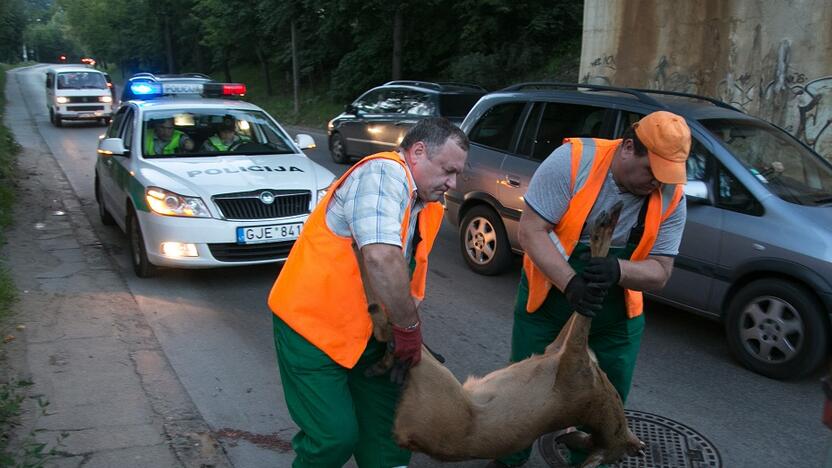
(696, 191)
(351, 109)
(112, 147)
(305, 141)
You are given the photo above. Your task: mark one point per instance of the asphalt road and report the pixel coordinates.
(215, 329)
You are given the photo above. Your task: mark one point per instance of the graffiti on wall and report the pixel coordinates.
(799, 104)
(601, 69)
(803, 107)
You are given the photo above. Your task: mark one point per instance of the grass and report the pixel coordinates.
(8, 151)
(316, 108)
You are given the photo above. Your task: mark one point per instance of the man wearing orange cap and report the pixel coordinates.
(645, 170)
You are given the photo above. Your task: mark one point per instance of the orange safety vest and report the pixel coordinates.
(597, 155)
(319, 292)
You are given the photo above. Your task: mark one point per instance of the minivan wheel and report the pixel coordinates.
(138, 254)
(338, 149)
(106, 217)
(775, 328)
(483, 241)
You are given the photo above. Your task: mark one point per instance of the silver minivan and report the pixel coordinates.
(757, 247)
(78, 93)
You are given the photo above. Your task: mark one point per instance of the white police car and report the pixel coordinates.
(200, 182)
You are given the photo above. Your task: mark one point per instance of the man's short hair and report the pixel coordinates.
(638, 146)
(155, 123)
(434, 132)
(228, 124)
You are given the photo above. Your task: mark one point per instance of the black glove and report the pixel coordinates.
(585, 298)
(603, 271)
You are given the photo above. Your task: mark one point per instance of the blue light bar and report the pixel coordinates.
(146, 88)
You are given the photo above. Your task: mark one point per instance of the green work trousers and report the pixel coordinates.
(340, 412)
(613, 337)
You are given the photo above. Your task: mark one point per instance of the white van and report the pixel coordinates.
(77, 93)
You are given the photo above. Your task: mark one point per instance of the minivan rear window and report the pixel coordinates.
(456, 105)
(81, 80)
(787, 168)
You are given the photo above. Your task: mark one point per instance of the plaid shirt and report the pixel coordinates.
(370, 205)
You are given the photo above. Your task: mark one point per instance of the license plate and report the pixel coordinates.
(86, 114)
(269, 233)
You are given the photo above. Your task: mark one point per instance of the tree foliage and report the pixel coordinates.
(344, 46)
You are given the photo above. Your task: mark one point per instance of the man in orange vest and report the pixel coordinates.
(646, 171)
(387, 205)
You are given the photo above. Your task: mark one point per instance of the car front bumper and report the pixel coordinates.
(84, 112)
(215, 241)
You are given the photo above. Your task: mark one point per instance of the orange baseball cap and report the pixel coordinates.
(667, 138)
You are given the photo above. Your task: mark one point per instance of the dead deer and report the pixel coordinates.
(508, 409)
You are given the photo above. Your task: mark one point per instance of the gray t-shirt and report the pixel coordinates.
(549, 194)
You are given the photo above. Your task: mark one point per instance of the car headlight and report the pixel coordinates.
(168, 203)
(105, 98)
(322, 192)
(62, 99)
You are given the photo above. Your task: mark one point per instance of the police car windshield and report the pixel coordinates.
(211, 132)
(81, 80)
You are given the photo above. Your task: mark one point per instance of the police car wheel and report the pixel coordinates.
(138, 254)
(106, 217)
(776, 328)
(338, 149)
(483, 241)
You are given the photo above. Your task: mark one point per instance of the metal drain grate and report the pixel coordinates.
(669, 445)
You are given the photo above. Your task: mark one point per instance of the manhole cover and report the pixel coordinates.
(669, 445)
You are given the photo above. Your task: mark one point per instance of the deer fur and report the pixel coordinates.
(508, 409)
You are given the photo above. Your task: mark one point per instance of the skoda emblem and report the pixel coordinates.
(267, 198)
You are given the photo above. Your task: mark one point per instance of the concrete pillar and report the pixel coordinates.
(770, 58)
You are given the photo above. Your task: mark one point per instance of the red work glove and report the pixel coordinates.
(407, 351)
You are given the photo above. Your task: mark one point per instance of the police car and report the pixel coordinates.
(198, 179)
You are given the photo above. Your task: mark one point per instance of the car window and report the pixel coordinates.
(127, 128)
(529, 135)
(405, 101)
(457, 105)
(733, 195)
(561, 120)
(369, 102)
(783, 165)
(699, 162)
(627, 120)
(497, 126)
(81, 80)
(113, 130)
(211, 132)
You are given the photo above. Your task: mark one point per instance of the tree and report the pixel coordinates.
(12, 24)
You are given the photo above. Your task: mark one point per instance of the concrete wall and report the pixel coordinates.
(771, 58)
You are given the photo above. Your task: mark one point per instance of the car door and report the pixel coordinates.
(122, 164)
(547, 124)
(354, 129)
(50, 91)
(106, 170)
(692, 282)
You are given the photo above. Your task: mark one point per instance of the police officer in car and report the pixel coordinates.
(226, 138)
(166, 139)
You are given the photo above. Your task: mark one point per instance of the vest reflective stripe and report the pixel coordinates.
(587, 181)
(217, 143)
(170, 148)
(319, 292)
